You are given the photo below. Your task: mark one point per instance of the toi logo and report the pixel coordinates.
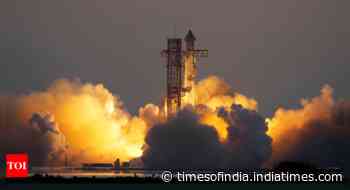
(16, 165)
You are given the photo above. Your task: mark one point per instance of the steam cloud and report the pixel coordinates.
(217, 129)
(317, 133)
(93, 121)
(40, 137)
(183, 142)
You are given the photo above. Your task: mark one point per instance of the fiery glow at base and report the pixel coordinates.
(214, 93)
(220, 125)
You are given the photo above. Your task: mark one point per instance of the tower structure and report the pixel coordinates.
(181, 71)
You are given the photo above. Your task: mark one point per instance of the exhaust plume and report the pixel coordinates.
(317, 133)
(93, 121)
(217, 128)
(184, 142)
(213, 93)
(95, 125)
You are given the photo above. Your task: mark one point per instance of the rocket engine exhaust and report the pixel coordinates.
(88, 123)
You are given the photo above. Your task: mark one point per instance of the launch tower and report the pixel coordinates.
(180, 71)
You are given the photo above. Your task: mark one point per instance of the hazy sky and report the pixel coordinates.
(275, 51)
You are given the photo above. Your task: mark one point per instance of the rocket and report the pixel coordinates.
(179, 74)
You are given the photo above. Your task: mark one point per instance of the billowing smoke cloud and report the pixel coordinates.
(214, 93)
(184, 142)
(95, 125)
(248, 144)
(317, 133)
(40, 137)
(218, 129)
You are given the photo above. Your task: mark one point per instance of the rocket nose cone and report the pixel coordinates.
(190, 36)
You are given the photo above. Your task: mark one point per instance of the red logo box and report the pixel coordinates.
(16, 165)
